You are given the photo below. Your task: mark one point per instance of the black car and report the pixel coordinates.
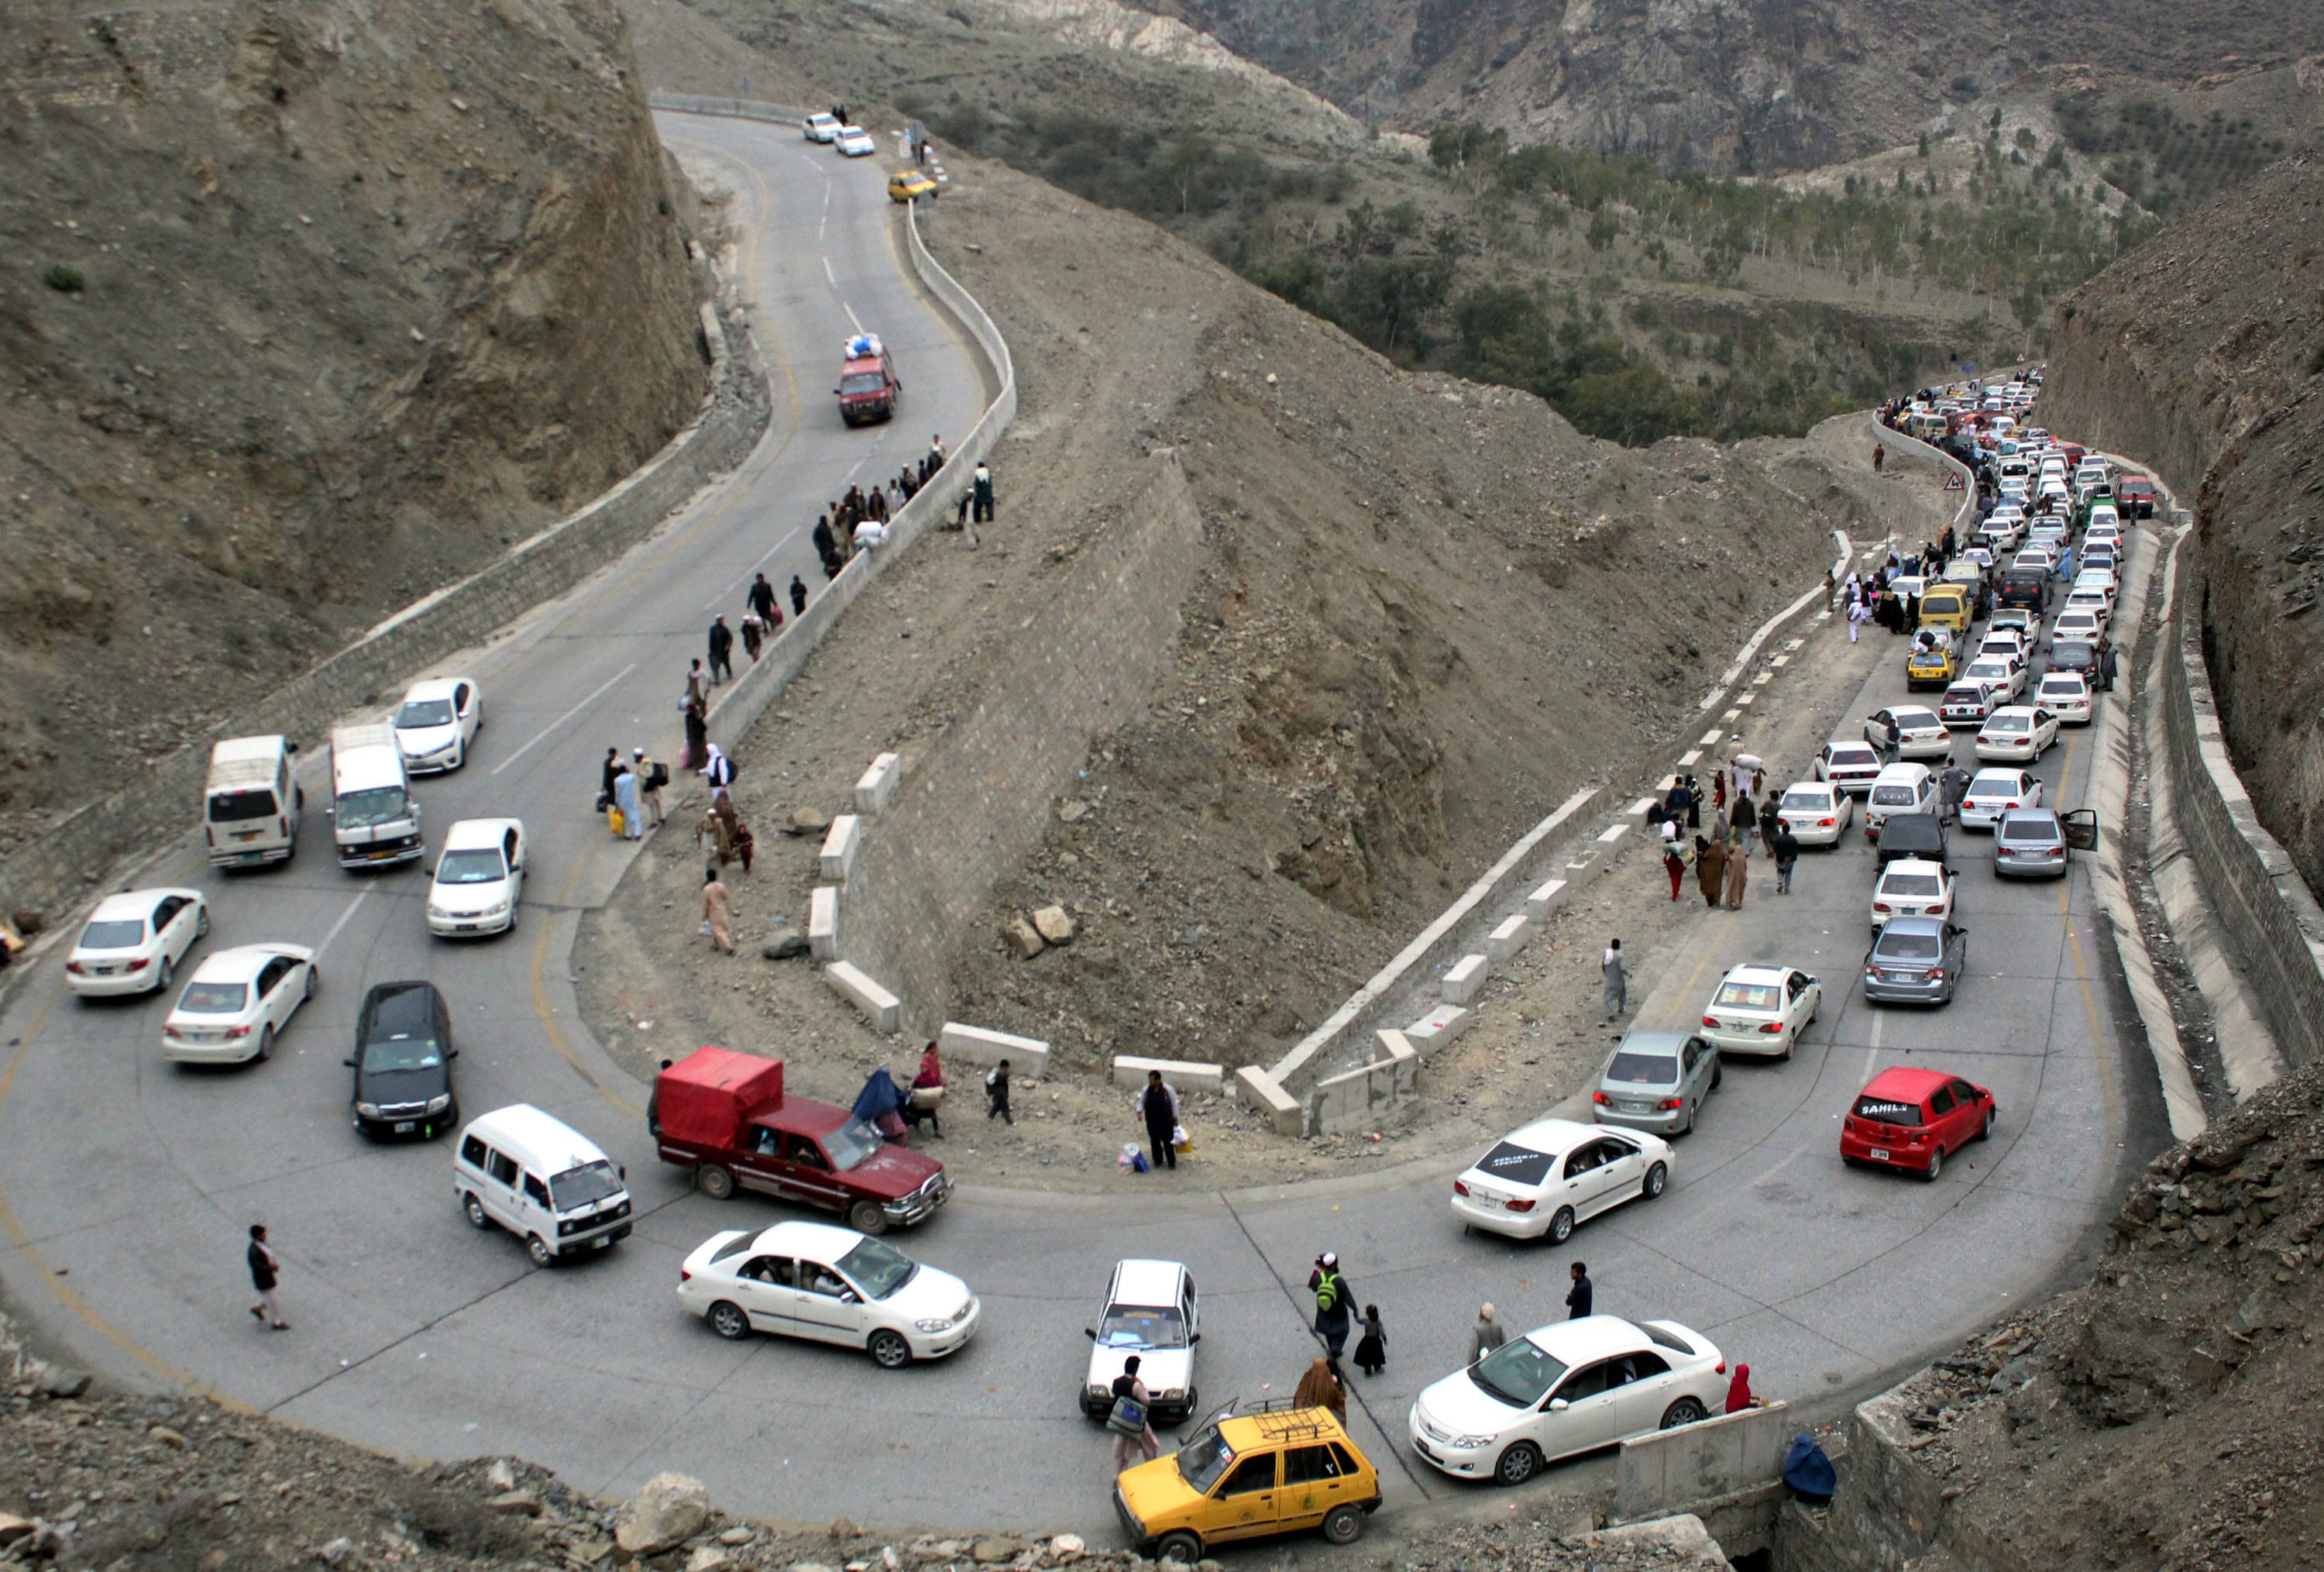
(2030, 589)
(1913, 835)
(2075, 656)
(403, 1062)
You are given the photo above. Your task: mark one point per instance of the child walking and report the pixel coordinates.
(996, 1093)
(1371, 1349)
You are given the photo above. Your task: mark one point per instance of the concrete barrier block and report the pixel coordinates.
(1636, 812)
(1509, 937)
(1464, 979)
(879, 1007)
(1546, 900)
(1711, 739)
(1666, 1469)
(1582, 870)
(840, 846)
(1186, 1075)
(1259, 1090)
(1744, 701)
(1027, 1057)
(823, 923)
(1611, 837)
(1440, 1027)
(877, 784)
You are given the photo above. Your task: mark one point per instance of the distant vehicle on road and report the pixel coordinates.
(403, 1062)
(828, 1284)
(1656, 1082)
(821, 127)
(1919, 733)
(1912, 887)
(1541, 1180)
(134, 941)
(250, 806)
(909, 185)
(1993, 792)
(1900, 788)
(236, 1002)
(1848, 765)
(1151, 1312)
(1913, 1119)
(854, 142)
(541, 1179)
(725, 1116)
(436, 721)
(1761, 1012)
(479, 879)
(2037, 843)
(374, 817)
(868, 384)
(2017, 731)
(1816, 812)
(1915, 960)
(2135, 493)
(2067, 695)
(1249, 1473)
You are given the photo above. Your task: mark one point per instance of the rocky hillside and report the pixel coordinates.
(306, 311)
(1749, 85)
(2203, 352)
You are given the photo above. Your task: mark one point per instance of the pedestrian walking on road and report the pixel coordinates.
(928, 1097)
(1787, 856)
(983, 489)
(754, 633)
(715, 902)
(1737, 872)
(1674, 864)
(1577, 1297)
(1321, 1388)
(1880, 457)
(799, 596)
(1615, 984)
(1488, 1334)
(653, 1104)
(825, 542)
(996, 1095)
(1858, 616)
(266, 1268)
(761, 599)
(2105, 662)
(722, 651)
(1128, 1422)
(605, 779)
(1710, 868)
(718, 770)
(625, 798)
(1743, 823)
(1771, 820)
(1333, 1316)
(1830, 588)
(698, 684)
(697, 736)
(1694, 804)
(1371, 1348)
(1157, 1105)
(652, 776)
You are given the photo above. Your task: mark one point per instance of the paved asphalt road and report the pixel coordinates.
(127, 1184)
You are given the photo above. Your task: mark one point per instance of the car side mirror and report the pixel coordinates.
(847, 1297)
(348, 1062)
(1194, 1339)
(1558, 1405)
(1090, 1332)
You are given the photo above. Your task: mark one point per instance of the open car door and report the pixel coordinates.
(2081, 827)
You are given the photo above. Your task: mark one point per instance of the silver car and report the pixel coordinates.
(2035, 842)
(1656, 1080)
(1917, 960)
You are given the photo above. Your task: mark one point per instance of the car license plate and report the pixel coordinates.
(1637, 1107)
(254, 857)
(1878, 1155)
(245, 834)
(468, 928)
(404, 1126)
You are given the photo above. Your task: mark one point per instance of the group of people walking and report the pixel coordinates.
(1721, 854)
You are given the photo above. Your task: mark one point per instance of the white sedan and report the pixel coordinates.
(1852, 766)
(854, 142)
(479, 879)
(134, 941)
(1543, 1180)
(820, 127)
(1994, 793)
(1919, 733)
(2000, 676)
(827, 1284)
(1760, 1011)
(2079, 622)
(2016, 732)
(1911, 887)
(1571, 1387)
(236, 1002)
(2067, 695)
(1818, 814)
(436, 721)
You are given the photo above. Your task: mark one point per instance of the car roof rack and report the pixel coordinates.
(1283, 1419)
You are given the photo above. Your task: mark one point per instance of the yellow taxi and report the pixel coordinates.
(907, 185)
(1948, 607)
(1934, 667)
(1271, 1469)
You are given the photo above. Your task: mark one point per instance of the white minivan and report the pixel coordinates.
(1900, 788)
(250, 807)
(374, 817)
(542, 1181)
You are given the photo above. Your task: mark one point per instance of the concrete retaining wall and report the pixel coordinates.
(51, 866)
(1889, 1512)
(1670, 1469)
(2264, 911)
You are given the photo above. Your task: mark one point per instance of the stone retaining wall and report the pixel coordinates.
(2263, 908)
(52, 867)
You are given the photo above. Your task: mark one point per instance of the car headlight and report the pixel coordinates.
(367, 1110)
(1175, 1394)
(439, 1104)
(435, 911)
(936, 1324)
(1471, 1443)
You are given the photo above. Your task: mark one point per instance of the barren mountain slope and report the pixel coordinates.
(2203, 352)
(308, 311)
(1756, 86)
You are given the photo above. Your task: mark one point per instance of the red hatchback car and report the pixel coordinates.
(1911, 1118)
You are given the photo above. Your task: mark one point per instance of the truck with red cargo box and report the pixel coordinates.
(868, 388)
(725, 1116)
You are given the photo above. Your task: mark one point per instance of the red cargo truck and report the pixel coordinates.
(725, 1116)
(868, 388)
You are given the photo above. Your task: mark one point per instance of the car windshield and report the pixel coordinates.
(850, 1144)
(423, 712)
(862, 382)
(1973, 697)
(1917, 720)
(378, 804)
(1851, 757)
(584, 1186)
(1990, 670)
(213, 998)
(1892, 796)
(1204, 1460)
(879, 1270)
(1517, 1164)
(2009, 722)
(1888, 1111)
(1800, 800)
(2072, 651)
(1644, 1070)
(1142, 1327)
(1993, 783)
(2061, 688)
(408, 1050)
(1519, 1372)
(474, 866)
(2028, 828)
(237, 807)
(1912, 884)
(1906, 946)
(121, 934)
(1735, 995)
